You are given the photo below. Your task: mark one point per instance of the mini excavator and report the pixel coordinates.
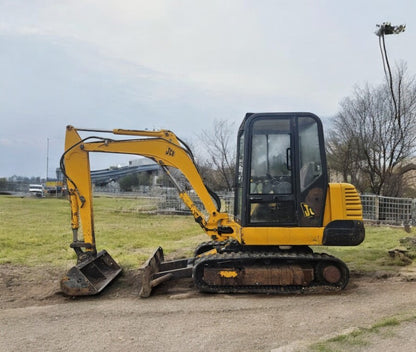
(283, 206)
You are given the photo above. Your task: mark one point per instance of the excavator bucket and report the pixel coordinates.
(90, 276)
(155, 271)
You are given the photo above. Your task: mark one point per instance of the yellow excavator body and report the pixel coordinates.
(283, 205)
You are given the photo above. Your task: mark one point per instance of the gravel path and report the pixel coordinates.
(180, 319)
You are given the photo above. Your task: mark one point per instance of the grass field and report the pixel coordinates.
(360, 338)
(37, 231)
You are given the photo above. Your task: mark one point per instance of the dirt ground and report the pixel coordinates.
(35, 316)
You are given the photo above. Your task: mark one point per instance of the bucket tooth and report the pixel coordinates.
(90, 276)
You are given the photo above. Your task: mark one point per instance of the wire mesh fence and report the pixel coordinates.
(388, 210)
(169, 202)
(376, 209)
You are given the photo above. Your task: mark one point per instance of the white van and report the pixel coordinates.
(37, 190)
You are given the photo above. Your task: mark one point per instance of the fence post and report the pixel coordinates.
(413, 212)
(377, 208)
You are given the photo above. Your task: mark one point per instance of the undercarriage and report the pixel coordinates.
(226, 268)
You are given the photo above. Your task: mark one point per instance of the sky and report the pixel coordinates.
(179, 65)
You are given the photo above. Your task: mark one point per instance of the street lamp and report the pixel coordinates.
(386, 29)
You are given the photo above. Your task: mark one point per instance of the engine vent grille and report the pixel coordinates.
(353, 207)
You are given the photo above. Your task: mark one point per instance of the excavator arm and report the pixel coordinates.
(166, 150)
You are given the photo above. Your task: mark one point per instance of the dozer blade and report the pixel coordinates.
(148, 270)
(90, 276)
(155, 271)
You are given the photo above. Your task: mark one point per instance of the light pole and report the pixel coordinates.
(386, 29)
(47, 158)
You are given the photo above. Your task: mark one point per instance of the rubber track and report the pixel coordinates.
(241, 259)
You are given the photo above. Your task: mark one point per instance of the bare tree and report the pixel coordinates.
(367, 144)
(217, 163)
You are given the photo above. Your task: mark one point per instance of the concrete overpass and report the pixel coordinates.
(102, 177)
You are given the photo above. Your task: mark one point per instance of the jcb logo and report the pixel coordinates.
(307, 210)
(170, 152)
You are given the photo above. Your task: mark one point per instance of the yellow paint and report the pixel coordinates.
(229, 274)
(307, 210)
(282, 236)
(164, 148)
(208, 253)
(342, 201)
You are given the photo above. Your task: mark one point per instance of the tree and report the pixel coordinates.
(3, 183)
(374, 137)
(217, 165)
(130, 181)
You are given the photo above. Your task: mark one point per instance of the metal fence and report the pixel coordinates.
(169, 201)
(389, 210)
(376, 209)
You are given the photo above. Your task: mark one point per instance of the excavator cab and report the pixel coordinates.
(281, 176)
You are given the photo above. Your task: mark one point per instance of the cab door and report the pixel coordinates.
(271, 188)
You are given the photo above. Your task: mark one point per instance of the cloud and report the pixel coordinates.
(50, 85)
(177, 64)
(6, 142)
